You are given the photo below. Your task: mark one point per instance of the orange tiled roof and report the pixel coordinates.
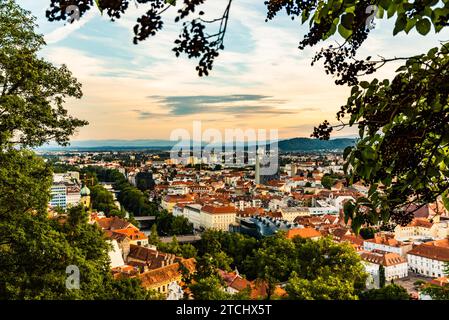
(132, 234)
(436, 250)
(219, 209)
(177, 198)
(385, 259)
(157, 277)
(303, 233)
(251, 211)
(385, 239)
(114, 223)
(420, 222)
(355, 240)
(442, 281)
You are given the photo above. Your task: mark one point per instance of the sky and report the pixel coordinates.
(260, 81)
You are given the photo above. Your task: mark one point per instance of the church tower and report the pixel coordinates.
(257, 167)
(85, 196)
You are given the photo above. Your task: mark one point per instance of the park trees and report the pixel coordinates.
(102, 199)
(314, 269)
(389, 292)
(327, 181)
(144, 181)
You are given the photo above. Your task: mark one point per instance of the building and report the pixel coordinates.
(235, 283)
(192, 212)
(115, 255)
(218, 217)
(169, 201)
(387, 243)
(160, 271)
(290, 213)
(58, 195)
(428, 259)
(135, 236)
(263, 226)
(73, 195)
(421, 229)
(85, 197)
(394, 266)
(65, 190)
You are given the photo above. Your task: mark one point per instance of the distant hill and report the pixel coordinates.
(295, 144)
(307, 144)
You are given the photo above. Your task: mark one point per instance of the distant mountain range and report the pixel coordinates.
(295, 144)
(307, 144)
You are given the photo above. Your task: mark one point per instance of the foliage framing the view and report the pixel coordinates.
(35, 250)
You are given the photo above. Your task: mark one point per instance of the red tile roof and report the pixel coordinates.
(442, 281)
(114, 223)
(303, 233)
(435, 250)
(219, 209)
(131, 233)
(385, 259)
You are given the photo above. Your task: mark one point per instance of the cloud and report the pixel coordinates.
(234, 104)
(63, 32)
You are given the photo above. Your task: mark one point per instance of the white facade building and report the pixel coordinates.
(429, 259)
(388, 244)
(395, 266)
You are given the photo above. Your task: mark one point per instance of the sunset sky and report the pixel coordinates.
(261, 80)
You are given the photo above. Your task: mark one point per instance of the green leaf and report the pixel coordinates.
(346, 152)
(97, 2)
(364, 84)
(347, 20)
(348, 209)
(445, 198)
(400, 24)
(345, 33)
(391, 9)
(384, 4)
(410, 24)
(423, 26)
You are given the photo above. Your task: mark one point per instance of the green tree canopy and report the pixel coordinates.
(102, 199)
(36, 251)
(389, 292)
(33, 91)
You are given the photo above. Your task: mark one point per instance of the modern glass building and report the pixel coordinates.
(58, 195)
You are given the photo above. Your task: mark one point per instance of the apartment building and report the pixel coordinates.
(429, 259)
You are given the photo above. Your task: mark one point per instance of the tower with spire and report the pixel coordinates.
(85, 193)
(257, 173)
(85, 196)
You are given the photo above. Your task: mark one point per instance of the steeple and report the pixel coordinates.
(257, 173)
(85, 196)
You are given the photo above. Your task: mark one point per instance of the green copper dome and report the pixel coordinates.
(85, 191)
